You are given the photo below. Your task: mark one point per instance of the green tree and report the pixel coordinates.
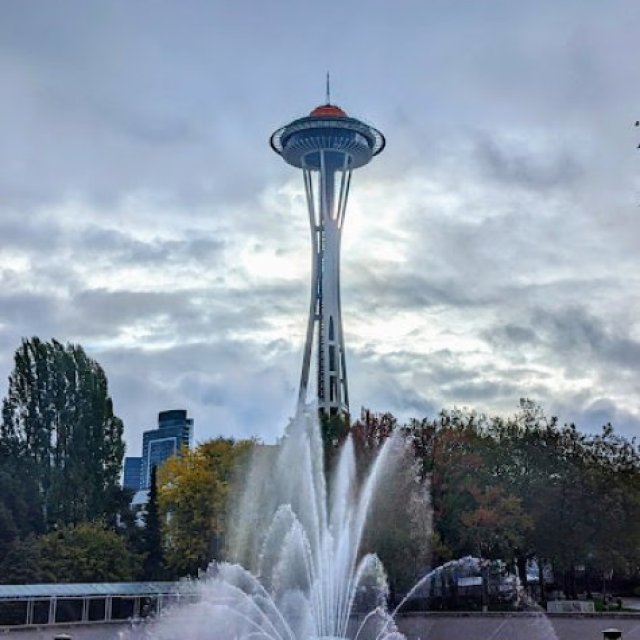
(517, 488)
(450, 451)
(58, 419)
(524, 460)
(572, 486)
(153, 564)
(399, 522)
(86, 553)
(403, 499)
(613, 474)
(495, 526)
(369, 433)
(334, 430)
(20, 507)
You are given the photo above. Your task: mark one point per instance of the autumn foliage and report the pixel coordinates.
(523, 487)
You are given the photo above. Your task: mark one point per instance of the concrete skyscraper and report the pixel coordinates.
(327, 145)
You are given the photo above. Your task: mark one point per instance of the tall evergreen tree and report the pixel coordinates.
(153, 565)
(20, 505)
(58, 419)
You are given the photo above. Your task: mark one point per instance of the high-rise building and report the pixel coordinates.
(132, 472)
(327, 145)
(174, 431)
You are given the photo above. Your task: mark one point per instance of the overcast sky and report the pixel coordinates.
(492, 251)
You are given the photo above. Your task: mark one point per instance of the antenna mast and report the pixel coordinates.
(328, 89)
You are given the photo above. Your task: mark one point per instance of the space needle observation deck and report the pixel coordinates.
(327, 145)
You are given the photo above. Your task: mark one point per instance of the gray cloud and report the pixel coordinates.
(230, 387)
(21, 309)
(585, 336)
(490, 253)
(516, 164)
(124, 248)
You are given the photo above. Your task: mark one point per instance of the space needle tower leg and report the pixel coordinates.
(326, 202)
(314, 308)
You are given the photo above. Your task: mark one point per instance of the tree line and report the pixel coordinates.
(511, 488)
(61, 451)
(64, 516)
(522, 488)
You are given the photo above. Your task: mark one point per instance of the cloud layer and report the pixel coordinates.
(490, 253)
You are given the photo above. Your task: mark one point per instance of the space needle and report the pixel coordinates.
(327, 145)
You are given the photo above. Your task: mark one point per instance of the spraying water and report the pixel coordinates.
(303, 545)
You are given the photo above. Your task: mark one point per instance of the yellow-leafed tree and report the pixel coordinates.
(193, 495)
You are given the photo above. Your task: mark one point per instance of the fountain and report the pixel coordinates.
(302, 538)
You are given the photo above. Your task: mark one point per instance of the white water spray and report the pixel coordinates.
(303, 548)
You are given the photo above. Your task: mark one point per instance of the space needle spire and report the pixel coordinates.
(327, 145)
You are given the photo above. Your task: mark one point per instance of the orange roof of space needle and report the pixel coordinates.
(328, 111)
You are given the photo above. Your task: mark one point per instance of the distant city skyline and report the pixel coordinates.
(143, 215)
